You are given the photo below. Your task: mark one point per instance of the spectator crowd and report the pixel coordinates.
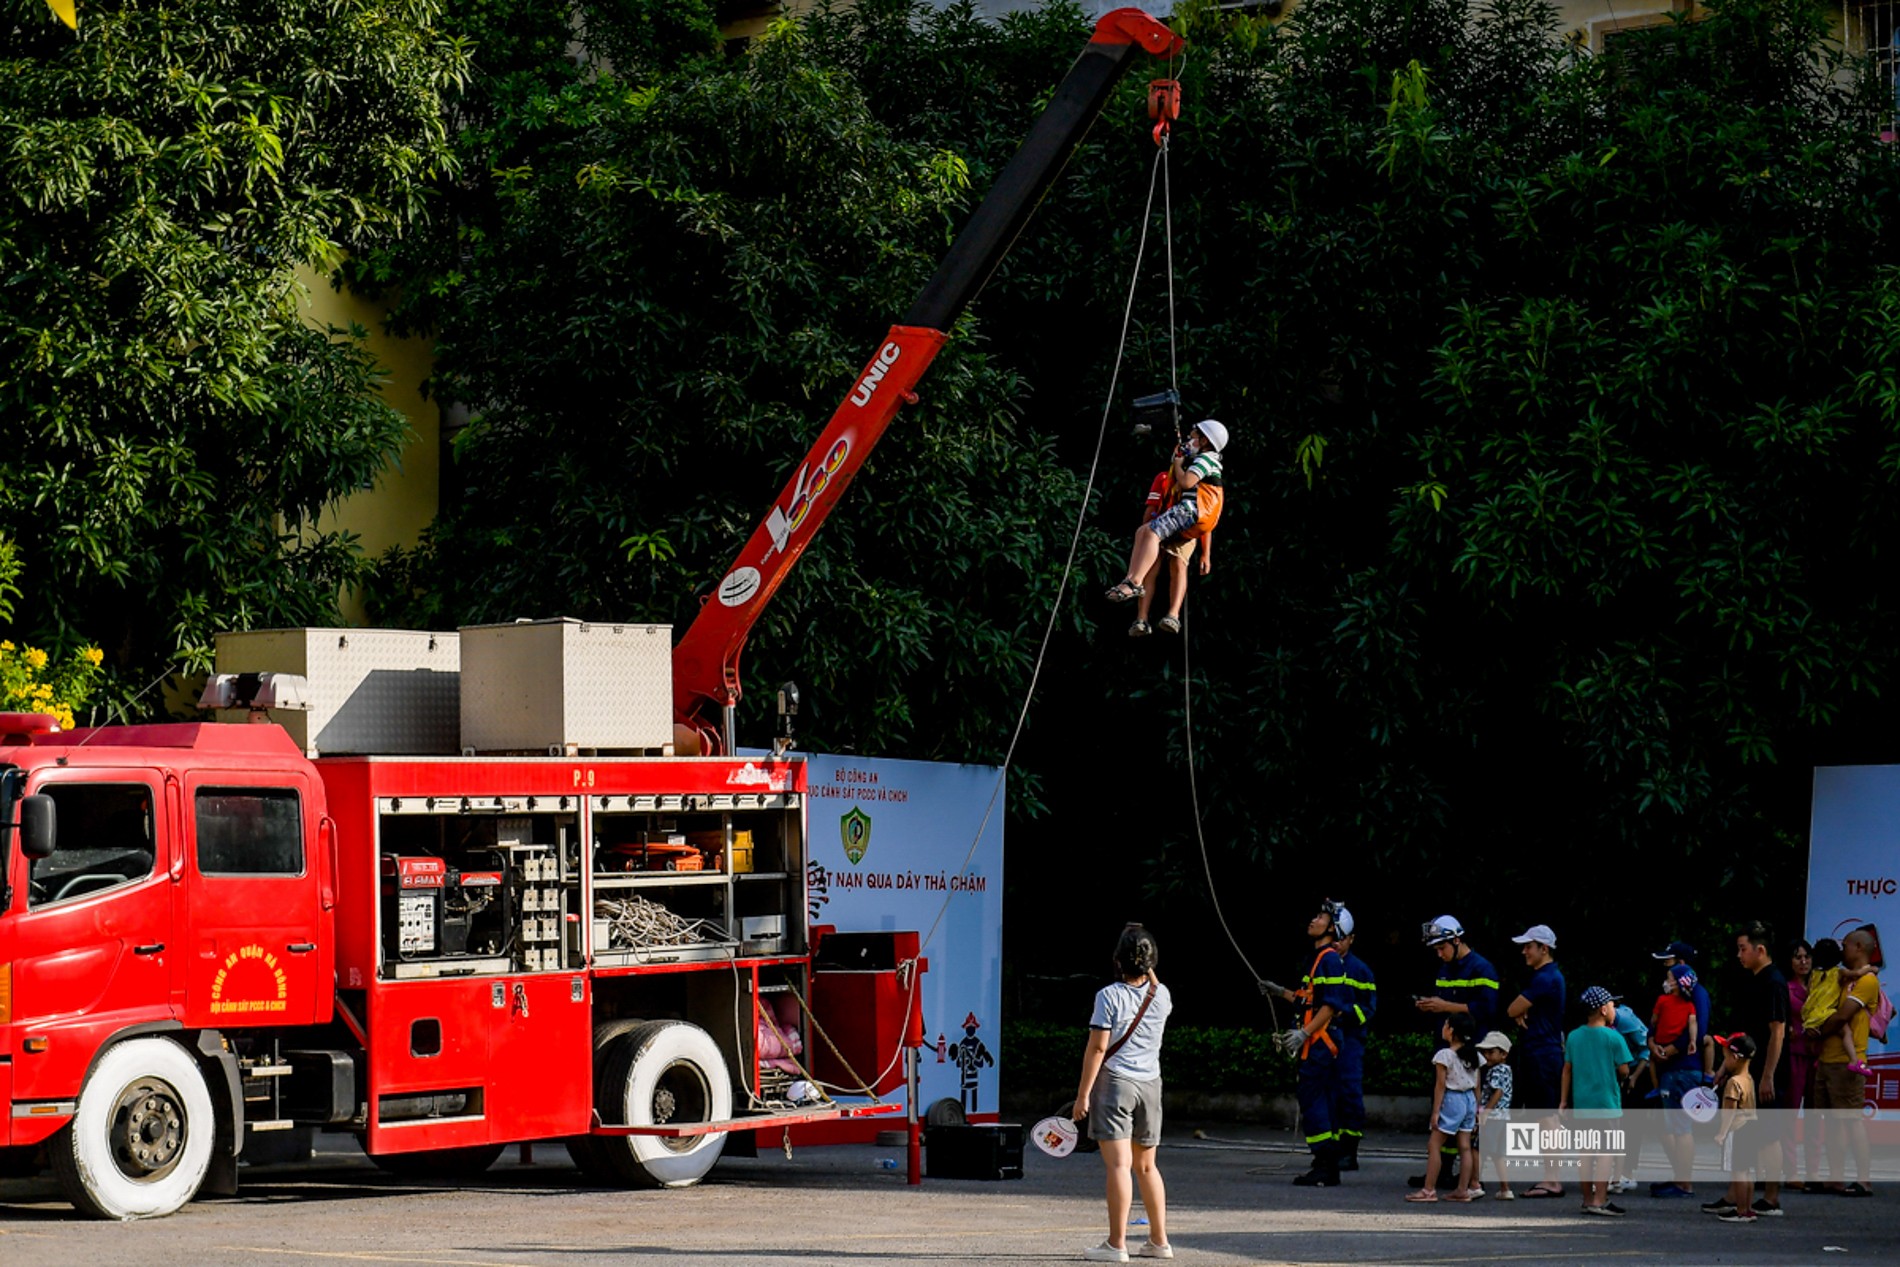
(1792, 1036)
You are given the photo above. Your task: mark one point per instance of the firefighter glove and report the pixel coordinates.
(1293, 1040)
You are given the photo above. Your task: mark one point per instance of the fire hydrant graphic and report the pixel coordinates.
(970, 1056)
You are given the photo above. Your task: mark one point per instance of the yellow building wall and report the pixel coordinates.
(404, 498)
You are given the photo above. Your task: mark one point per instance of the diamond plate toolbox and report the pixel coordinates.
(565, 686)
(392, 691)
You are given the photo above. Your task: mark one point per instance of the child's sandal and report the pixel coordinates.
(1422, 1196)
(1123, 590)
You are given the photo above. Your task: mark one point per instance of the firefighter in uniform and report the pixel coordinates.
(1466, 983)
(1315, 1041)
(1352, 1053)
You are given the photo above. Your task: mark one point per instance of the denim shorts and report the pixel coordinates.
(1177, 518)
(1459, 1112)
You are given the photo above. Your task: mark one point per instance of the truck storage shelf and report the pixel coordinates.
(622, 957)
(663, 879)
(428, 968)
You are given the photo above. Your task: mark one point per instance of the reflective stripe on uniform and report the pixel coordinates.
(1474, 982)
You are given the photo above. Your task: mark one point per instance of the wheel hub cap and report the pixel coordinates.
(147, 1132)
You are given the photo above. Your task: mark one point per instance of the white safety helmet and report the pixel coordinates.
(1215, 433)
(1341, 917)
(1441, 930)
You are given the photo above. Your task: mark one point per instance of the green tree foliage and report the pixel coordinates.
(172, 424)
(1591, 566)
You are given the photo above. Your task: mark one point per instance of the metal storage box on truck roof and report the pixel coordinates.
(566, 686)
(385, 691)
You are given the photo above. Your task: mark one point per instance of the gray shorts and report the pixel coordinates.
(1121, 1108)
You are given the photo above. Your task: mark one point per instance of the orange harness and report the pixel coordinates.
(1305, 995)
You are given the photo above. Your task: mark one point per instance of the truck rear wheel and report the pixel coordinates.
(656, 1074)
(140, 1144)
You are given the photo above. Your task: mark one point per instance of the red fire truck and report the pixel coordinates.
(208, 933)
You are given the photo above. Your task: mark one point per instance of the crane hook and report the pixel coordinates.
(1164, 106)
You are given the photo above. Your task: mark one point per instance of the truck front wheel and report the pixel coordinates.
(662, 1073)
(141, 1142)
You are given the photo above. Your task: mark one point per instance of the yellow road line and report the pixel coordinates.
(366, 1257)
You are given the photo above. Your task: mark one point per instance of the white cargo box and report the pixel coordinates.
(563, 686)
(388, 691)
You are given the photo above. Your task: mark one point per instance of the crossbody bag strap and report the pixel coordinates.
(1140, 1012)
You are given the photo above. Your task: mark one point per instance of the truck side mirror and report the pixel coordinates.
(39, 826)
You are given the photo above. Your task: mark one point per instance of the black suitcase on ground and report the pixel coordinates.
(974, 1152)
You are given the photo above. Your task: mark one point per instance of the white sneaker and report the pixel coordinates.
(1622, 1185)
(1105, 1253)
(1148, 1249)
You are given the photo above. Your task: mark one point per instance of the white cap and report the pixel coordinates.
(1215, 433)
(1538, 933)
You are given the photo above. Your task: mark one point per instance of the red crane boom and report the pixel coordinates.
(706, 661)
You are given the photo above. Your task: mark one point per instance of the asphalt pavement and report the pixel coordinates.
(1229, 1192)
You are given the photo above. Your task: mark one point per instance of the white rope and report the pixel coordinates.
(1167, 211)
(639, 925)
(1187, 676)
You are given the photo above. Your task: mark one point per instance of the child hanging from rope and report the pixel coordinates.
(1195, 476)
(1162, 495)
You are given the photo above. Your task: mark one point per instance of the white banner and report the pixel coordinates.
(888, 844)
(1854, 879)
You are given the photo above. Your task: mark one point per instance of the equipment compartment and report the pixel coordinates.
(474, 890)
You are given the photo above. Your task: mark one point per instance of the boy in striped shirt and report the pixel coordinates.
(1196, 473)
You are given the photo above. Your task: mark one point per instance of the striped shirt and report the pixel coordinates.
(1207, 466)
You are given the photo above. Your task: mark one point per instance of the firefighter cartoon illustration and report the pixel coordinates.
(970, 1055)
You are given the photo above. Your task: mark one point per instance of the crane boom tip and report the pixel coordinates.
(1133, 26)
